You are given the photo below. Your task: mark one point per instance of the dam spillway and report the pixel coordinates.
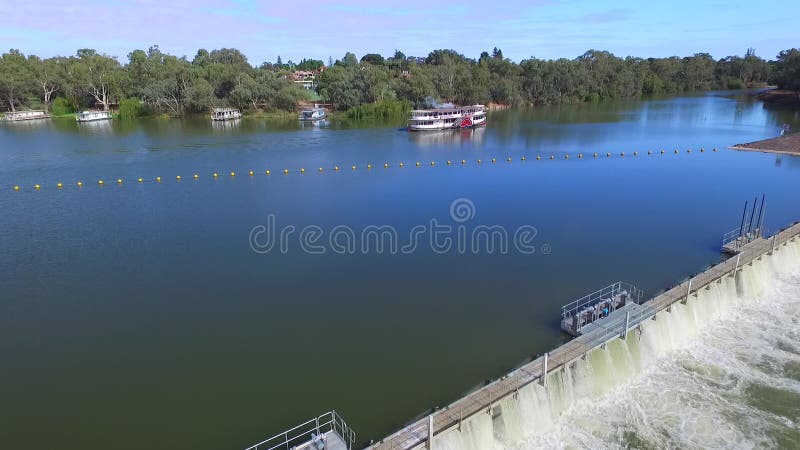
(478, 418)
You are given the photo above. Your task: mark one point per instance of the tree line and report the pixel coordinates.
(166, 84)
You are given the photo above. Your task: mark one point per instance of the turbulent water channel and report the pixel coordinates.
(722, 371)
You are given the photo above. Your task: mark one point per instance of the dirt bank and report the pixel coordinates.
(787, 145)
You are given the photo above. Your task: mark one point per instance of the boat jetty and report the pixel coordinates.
(17, 116)
(221, 114)
(93, 116)
(454, 118)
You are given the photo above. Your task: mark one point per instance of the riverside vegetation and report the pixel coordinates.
(154, 82)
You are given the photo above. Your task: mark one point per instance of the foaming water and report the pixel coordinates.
(721, 371)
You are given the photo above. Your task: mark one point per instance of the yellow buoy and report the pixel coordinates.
(158, 179)
(60, 185)
(320, 169)
(233, 174)
(178, 177)
(538, 157)
(336, 168)
(140, 180)
(522, 158)
(267, 172)
(354, 167)
(302, 170)
(216, 175)
(433, 163)
(285, 171)
(418, 164)
(463, 161)
(37, 187)
(16, 188)
(250, 173)
(196, 176)
(369, 166)
(402, 164)
(119, 180)
(449, 163)
(99, 181)
(385, 165)
(79, 183)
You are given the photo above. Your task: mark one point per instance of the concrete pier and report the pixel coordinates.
(594, 335)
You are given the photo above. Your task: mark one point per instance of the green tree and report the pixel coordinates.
(15, 78)
(786, 73)
(373, 58)
(100, 75)
(49, 75)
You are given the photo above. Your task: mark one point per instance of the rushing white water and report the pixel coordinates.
(722, 371)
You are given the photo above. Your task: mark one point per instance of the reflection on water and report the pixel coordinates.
(441, 137)
(96, 127)
(225, 125)
(323, 123)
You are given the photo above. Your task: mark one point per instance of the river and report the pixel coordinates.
(204, 313)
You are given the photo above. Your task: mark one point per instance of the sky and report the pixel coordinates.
(264, 30)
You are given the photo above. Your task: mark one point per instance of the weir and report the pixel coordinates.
(466, 416)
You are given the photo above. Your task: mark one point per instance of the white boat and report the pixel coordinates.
(225, 114)
(92, 116)
(16, 116)
(313, 114)
(453, 118)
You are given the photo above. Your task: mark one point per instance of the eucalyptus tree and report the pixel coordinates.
(15, 78)
(101, 76)
(49, 76)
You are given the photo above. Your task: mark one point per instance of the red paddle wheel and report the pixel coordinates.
(466, 122)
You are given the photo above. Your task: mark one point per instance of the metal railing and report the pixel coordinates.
(308, 432)
(609, 292)
(737, 238)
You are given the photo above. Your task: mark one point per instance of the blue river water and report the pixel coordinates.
(156, 315)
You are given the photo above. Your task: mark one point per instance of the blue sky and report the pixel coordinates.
(319, 29)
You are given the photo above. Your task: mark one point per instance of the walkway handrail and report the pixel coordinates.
(307, 431)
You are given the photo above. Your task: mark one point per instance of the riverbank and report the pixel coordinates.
(785, 145)
(779, 97)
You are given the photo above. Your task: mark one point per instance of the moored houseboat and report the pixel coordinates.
(218, 114)
(16, 116)
(313, 114)
(447, 118)
(93, 116)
